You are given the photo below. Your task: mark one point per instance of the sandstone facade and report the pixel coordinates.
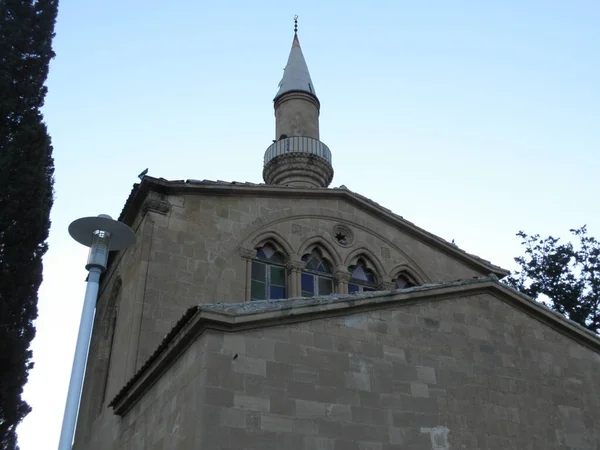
(461, 365)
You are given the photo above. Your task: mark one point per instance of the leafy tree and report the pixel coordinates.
(567, 275)
(26, 193)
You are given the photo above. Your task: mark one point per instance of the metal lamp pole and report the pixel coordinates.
(102, 234)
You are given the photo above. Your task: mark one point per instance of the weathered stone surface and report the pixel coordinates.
(189, 251)
(540, 391)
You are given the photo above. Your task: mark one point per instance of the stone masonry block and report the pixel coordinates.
(282, 405)
(305, 374)
(251, 403)
(340, 413)
(218, 397)
(426, 374)
(306, 409)
(232, 417)
(280, 371)
(276, 423)
(369, 416)
(363, 445)
(343, 444)
(302, 337)
(419, 389)
(306, 427)
(260, 348)
(251, 366)
(395, 354)
(318, 443)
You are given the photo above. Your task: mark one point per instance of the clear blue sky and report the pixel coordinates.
(472, 119)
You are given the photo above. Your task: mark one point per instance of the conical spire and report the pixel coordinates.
(295, 75)
(297, 157)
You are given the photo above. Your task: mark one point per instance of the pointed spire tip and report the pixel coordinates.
(296, 24)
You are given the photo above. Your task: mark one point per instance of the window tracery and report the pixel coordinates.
(317, 276)
(268, 275)
(362, 278)
(404, 281)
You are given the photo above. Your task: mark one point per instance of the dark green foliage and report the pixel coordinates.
(26, 193)
(568, 275)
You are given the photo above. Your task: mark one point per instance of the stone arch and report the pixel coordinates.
(278, 241)
(369, 257)
(417, 275)
(109, 322)
(325, 247)
(244, 239)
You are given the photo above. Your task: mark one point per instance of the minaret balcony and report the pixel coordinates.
(297, 144)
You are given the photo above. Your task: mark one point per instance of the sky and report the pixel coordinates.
(472, 119)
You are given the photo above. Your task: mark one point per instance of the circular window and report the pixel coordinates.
(342, 235)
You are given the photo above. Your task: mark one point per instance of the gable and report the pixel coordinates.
(241, 213)
(139, 199)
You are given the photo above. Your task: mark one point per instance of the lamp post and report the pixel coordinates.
(102, 234)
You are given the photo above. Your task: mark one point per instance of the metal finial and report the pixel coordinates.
(295, 24)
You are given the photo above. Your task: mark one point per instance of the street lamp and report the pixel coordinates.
(102, 234)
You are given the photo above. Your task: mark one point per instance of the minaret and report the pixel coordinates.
(297, 157)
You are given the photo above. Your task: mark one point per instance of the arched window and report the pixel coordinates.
(362, 279)
(316, 276)
(404, 281)
(268, 274)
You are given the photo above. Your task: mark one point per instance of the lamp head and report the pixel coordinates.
(102, 234)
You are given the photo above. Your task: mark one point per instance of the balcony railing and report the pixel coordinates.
(297, 144)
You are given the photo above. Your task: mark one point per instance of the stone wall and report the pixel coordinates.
(197, 251)
(468, 373)
(194, 249)
(471, 372)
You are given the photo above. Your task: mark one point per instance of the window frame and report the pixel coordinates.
(316, 275)
(362, 285)
(268, 265)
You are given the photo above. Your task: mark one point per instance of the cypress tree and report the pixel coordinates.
(26, 193)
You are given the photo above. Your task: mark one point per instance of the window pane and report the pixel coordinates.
(278, 258)
(276, 292)
(258, 291)
(258, 271)
(370, 277)
(325, 286)
(312, 263)
(325, 266)
(308, 283)
(353, 288)
(401, 283)
(359, 273)
(277, 276)
(267, 251)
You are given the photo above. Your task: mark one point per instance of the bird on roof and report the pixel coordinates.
(141, 175)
